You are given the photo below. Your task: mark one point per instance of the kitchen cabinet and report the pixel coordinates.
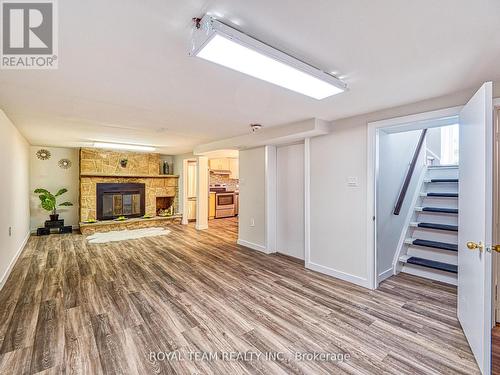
(221, 164)
(234, 168)
(211, 206)
(191, 214)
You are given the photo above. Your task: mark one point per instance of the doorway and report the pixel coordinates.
(223, 185)
(223, 193)
(417, 202)
(394, 176)
(475, 212)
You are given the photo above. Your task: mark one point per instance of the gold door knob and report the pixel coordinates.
(473, 246)
(496, 248)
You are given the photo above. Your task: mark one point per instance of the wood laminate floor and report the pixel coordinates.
(72, 307)
(495, 350)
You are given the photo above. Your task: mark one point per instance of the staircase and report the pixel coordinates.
(430, 247)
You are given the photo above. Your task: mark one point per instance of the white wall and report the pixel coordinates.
(201, 192)
(252, 199)
(178, 162)
(47, 174)
(339, 243)
(290, 200)
(270, 197)
(433, 142)
(338, 211)
(14, 190)
(395, 153)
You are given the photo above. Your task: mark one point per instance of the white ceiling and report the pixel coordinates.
(125, 76)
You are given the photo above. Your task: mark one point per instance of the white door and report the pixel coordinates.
(475, 224)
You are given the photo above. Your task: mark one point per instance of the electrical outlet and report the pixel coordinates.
(252, 222)
(10, 231)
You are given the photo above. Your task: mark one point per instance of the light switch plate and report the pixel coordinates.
(352, 181)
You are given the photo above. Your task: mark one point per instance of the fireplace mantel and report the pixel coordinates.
(128, 175)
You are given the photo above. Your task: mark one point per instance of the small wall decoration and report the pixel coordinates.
(123, 163)
(43, 154)
(64, 163)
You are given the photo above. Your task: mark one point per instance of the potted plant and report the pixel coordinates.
(49, 201)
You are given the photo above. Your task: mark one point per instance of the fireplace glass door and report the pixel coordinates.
(121, 204)
(114, 200)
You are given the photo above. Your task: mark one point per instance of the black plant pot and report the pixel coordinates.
(54, 217)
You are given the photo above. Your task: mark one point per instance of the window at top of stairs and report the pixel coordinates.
(449, 145)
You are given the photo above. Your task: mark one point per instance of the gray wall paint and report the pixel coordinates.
(433, 142)
(48, 175)
(338, 212)
(15, 212)
(252, 197)
(396, 152)
(290, 200)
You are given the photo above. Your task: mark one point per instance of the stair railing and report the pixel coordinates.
(409, 174)
(432, 157)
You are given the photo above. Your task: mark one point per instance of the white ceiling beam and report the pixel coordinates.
(275, 135)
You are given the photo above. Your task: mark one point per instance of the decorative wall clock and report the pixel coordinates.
(43, 154)
(65, 163)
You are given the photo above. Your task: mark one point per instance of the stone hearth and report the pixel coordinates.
(106, 226)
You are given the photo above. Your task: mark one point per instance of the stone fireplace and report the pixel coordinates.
(100, 170)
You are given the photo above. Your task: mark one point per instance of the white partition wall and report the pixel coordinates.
(252, 210)
(15, 213)
(202, 193)
(337, 199)
(270, 198)
(290, 200)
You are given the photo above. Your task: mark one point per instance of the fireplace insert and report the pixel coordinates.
(114, 200)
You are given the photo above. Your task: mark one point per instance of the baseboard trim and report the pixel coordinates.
(13, 261)
(339, 274)
(290, 258)
(386, 274)
(252, 246)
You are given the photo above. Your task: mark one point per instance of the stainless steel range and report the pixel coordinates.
(225, 201)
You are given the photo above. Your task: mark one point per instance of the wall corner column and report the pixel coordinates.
(202, 193)
(307, 201)
(270, 198)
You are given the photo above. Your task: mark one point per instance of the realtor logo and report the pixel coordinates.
(29, 34)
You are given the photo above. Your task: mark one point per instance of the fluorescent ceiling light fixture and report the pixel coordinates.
(221, 44)
(121, 146)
